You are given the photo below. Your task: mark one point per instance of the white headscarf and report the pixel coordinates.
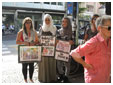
(51, 27)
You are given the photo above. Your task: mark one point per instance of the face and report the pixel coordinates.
(93, 22)
(106, 28)
(47, 21)
(94, 19)
(64, 23)
(28, 24)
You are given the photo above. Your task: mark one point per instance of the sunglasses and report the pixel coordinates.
(108, 27)
(28, 22)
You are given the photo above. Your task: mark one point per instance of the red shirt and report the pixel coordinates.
(97, 53)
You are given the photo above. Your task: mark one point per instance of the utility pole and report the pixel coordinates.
(76, 20)
(73, 11)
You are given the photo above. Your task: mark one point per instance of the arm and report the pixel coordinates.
(85, 37)
(71, 42)
(19, 41)
(84, 50)
(78, 59)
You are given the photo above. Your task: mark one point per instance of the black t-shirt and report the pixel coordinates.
(90, 33)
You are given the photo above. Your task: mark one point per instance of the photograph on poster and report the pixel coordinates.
(63, 46)
(48, 50)
(62, 56)
(29, 53)
(48, 40)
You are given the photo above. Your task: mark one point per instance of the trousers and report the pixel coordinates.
(24, 70)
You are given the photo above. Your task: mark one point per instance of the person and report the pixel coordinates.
(27, 36)
(7, 27)
(65, 33)
(97, 52)
(90, 32)
(3, 29)
(47, 67)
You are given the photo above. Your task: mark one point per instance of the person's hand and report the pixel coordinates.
(88, 66)
(26, 43)
(31, 44)
(71, 42)
(56, 42)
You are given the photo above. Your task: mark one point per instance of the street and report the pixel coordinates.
(11, 69)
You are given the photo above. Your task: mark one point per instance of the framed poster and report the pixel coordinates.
(48, 50)
(63, 46)
(48, 40)
(62, 56)
(29, 53)
(62, 50)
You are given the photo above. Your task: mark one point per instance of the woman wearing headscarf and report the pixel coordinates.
(65, 33)
(47, 67)
(27, 36)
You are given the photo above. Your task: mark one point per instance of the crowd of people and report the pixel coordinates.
(96, 49)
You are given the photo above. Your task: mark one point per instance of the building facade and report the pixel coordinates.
(15, 12)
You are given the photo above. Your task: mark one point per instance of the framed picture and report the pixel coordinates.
(63, 46)
(29, 53)
(48, 50)
(62, 50)
(62, 56)
(48, 40)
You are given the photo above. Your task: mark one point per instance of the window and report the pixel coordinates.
(60, 3)
(37, 2)
(46, 2)
(90, 8)
(53, 3)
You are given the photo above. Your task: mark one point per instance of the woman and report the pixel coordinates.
(91, 32)
(27, 36)
(47, 67)
(97, 52)
(65, 33)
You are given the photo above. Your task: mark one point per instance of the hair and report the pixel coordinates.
(97, 22)
(24, 27)
(94, 16)
(68, 29)
(69, 26)
(104, 18)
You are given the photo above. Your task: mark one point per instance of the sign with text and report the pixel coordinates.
(48, 45)
(62, 50)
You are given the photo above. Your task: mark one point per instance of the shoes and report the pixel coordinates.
(31, 81)
(25, 80)
(63, 79)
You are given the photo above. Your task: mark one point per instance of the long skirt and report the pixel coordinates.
(47, 70)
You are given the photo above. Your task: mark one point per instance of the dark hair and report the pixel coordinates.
(68, 29)
(94, 16)
(69, 26)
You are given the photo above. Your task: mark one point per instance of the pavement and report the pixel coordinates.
(12, 70)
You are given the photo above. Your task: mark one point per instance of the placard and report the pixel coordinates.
(48, 45)
(63, 46)
(62, 50)
(48, 50)
(62, 56)
(29, 53)
(48, 40)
